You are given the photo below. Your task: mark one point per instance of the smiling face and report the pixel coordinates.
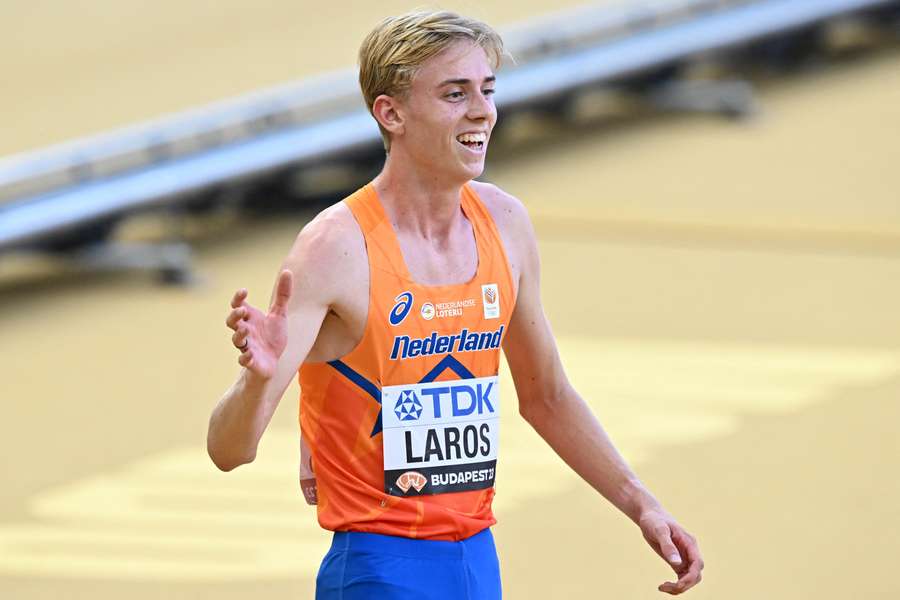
(445, 119)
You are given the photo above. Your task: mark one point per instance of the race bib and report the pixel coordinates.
(440, 437)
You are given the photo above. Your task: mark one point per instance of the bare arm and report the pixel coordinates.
(277, 343)
(564, 420)
(552, 406)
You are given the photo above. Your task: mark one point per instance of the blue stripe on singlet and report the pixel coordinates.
(448, 362)
(366, 385)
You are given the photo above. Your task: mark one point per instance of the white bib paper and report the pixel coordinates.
(440, 437)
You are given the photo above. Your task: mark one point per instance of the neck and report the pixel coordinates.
(416, 200)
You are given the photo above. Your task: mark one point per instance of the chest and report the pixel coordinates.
(449, 261)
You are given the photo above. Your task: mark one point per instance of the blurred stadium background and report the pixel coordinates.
(715, 188)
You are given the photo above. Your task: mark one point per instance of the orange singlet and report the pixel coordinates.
(403, 429)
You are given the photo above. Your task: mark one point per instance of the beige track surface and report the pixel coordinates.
(724, 294)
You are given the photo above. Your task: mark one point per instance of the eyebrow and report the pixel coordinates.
(489, 79)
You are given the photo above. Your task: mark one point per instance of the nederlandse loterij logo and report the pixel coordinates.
(408, 407)
(428, 311)
(411, 479)
(452, 308)
(401, 309)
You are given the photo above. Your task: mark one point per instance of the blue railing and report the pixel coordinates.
(50, 193)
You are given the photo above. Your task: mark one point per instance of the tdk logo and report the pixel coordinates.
(408, 407)
(401, 309)
(453, 400)
(461, 398)
(465, 341)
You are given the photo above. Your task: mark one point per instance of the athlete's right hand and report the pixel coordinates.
(261, 338)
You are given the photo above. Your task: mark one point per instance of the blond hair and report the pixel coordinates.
(392, 53)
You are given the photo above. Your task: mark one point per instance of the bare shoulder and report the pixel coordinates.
(508, 212)
(331, 244)
(514, 226)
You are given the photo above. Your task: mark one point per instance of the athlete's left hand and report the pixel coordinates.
(676, 546)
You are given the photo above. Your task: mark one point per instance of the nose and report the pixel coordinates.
(481, 107)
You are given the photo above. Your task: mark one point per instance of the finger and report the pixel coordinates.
(688, 547)
(668, 587)
(246, 359)
(238, 298)
(235, 316)
(239, 338)
(693, 573)
(667, 547)
(282, 293)
(673, 587)
(689, 574)
(688, 580)
(684, 583)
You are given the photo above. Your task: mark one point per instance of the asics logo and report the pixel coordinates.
(401, 309)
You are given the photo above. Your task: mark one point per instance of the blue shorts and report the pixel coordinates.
(363, 566)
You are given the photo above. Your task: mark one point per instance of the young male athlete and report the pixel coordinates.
(394, 305)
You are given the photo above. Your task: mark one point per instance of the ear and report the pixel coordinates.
(388, 112)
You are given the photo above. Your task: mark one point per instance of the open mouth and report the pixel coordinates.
(473, 141)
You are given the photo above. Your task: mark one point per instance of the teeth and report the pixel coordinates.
(472, 137)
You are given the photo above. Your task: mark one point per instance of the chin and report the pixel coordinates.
(473, 173)
(473, 170)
